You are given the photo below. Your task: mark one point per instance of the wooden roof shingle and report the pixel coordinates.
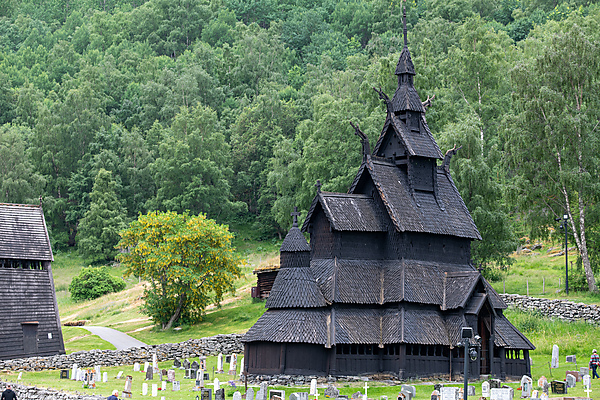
(509, 337)
(23, 235)
(295, 288)
(291, 326)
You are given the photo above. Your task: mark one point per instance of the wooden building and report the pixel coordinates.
(265, 278)
(387, 282)
(29, 320)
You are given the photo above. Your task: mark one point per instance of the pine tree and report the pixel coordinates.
(98, 231)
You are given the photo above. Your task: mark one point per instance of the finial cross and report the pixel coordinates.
(295, 214)
(405, 30)
(318, 186)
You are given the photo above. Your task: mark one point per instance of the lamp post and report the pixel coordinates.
(565, 226)
(470, 353)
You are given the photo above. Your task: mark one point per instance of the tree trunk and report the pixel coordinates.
(177, 313)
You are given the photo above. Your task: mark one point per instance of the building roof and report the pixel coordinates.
(295, 287)
(405, 64)
(509, 337)
(294, 241)
(291, 326)
(417, 211)
(348, 212)
(422, 144)
(23, 235)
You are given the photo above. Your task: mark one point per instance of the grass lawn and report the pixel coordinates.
(77, 339)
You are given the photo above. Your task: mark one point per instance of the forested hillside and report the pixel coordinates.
(234, 108)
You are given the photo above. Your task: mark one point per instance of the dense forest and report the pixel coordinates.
(234, 108)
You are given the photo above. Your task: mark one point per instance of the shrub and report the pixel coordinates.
(93, 282)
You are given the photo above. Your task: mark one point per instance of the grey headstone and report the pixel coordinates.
(237, 396)
(554, 361)
(276, 394)
(176, 363)
(501, 394)
(571, 381)
(220, 394)
(583, 371)
(186, 364)
(357, 395)
(485, 389)
(471, 390)
(495, 383)
(298, 396)
(572, 359)
(195, 366)
(171, 375)
(149, 374)
(410, 389)
(262, 391)
(205, 394)
(176, 385)
(331, 391)
(250, 394)
(449, 393)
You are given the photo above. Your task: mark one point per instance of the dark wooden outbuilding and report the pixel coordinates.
(387, 282)
(265, 278)
(29, 320)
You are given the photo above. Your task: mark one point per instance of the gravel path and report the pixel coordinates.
(119, 339)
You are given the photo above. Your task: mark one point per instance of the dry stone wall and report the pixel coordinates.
(560, 309)
(208, 346)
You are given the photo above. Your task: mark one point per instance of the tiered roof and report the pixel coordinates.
(24, 235)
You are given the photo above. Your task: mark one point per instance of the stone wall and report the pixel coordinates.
(35, 393)
(560, 309)
(208, 346)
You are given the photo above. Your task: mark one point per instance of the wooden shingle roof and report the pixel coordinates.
(348, 212)
(420, 212)
(422, 144)
(23, 233)
(295, 288)
(291, 326)
(294, 241)
(509, 337)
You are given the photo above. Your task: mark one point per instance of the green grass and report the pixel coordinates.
(78, 339)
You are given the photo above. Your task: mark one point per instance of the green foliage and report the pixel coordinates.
(93, 282)
(188, 260)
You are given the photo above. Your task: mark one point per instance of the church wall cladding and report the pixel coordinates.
(29, 321)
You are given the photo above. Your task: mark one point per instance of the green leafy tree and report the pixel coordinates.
(188, 260)
(93, 282)
(553, 141)
(98, 231)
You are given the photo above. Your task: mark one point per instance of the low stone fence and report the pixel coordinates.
(208, 346)
(35, 393)
(561, 309)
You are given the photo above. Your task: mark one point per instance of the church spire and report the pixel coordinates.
(405, 31)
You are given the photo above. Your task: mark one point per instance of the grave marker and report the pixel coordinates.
(64, 374)
(136, 367)
(250, 394)
(217, 384)
(146, 366)
(313, 387)
(155, 363)
(144, 389)
(276, 394)
(220, 394)
(571, 381)
(127, 390)
(583, 371)
(203, 363)
(105, 377)
(154, 390)
(205, 394)
(119, 375)
(233, 365)
(449, 393)
(176, 386)
(298, 396)
(575, 374)
(485, 389)
(74, 372)
(176, 363)
(526, 386)
(331, 391)
(237, 396)
(149, 374)
(559, 387)
(501, 394)
(554, 362)
(220, 363)
(471, 390)
(171, 375)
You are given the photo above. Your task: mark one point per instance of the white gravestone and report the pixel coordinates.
(250, 394)
(313, 387)
(217, 384)
(98, 376)
(176, 386)
(526, 386)
(171, 375)
(144, 389)
(571, 380)
(154, 389)
(554, 363)
(155, 363)
(105, 377)
(237, 396)
(485, 389)
(119, 375)
(20, 376)
(584, 371)
(163, 385)
(242, 366)
(233, 365)
(449, 393)
(535, 394)
(74, 372)
(587, 385)
(200, 377)
(220, 363)
(146, 366)
(501, 394)
(136, 367)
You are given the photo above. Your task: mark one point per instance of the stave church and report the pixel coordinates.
(386, 282)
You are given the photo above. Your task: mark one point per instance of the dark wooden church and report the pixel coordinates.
(387, 282)
(29, 320)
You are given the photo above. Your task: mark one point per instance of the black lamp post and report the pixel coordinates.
(470, 353)
(565, 226)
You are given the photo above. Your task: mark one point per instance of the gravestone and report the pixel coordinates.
(217, 384)
(587, 381)
(410, 389)
(572, 359)
(583, 371)
(74, 372)
(127, 390)
(449, 393)
(186, 364)
(205, 394)
(298, 396)
(356, 396)
(262, 391)
(575, 374)
(242, 366)
(544, 396)
(554, 362)
(146, 366)
(233, 365)
(200, 378)
(313, 387)
(237, 396)
(438, 386)
(163, 372)
(203, 363)
(535, 394)
(144, 389)
(154, 389)
(195, 367)
(176, 386)
(250, 394)
(188, 374)
(149, 374)
(471, 391)
(119, 375)
(546, 387)
(501, 394)
(171, 375)
(98, 376)
(331, 391)
(227, 359)
(163, 385)
(435, 395)
(276, 395)
(105, 377)
(20, 376)
(571, 380)
(495, 383)
(64, 374)
(485, 389)
(403, 395)
(220, 363)
(558, 387)
(155, 363)
(176, 363)
(136, 367)
(541, 381)
(220, 394)
(526, 386)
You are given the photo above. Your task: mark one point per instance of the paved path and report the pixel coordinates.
(118, 339)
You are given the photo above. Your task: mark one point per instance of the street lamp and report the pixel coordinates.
(471, 351)
(565, 226)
